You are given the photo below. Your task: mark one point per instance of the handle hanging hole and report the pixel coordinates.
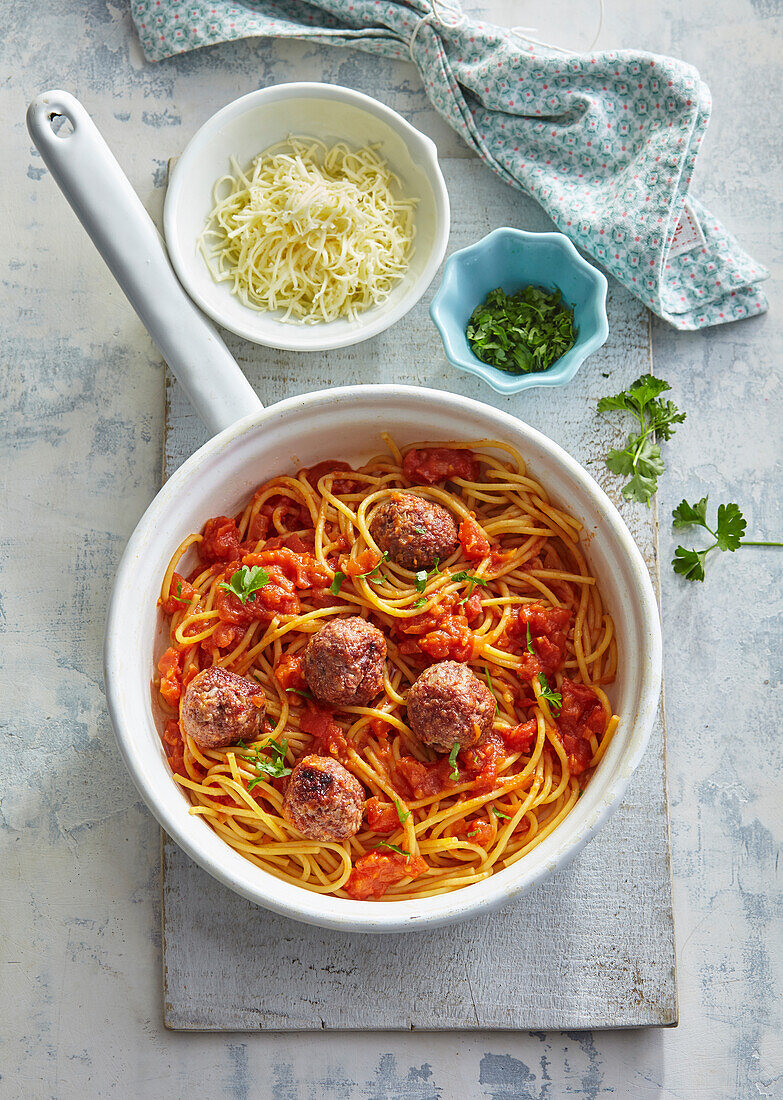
(61, 125)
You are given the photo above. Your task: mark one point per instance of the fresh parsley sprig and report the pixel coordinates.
(272, 765)
(422, 577)
(640, 460)
(371, 575)
(522, 332)
(246, 582)
(728, 535)
(554, 698)
(472, 581)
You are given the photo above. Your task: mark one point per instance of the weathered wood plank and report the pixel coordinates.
(594, 946)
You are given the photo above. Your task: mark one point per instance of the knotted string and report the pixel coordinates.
(446, 13)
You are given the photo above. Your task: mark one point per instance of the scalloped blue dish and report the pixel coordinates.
(513, 259)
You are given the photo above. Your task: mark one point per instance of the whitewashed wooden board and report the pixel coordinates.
(591, 948)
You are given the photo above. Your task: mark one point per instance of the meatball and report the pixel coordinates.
(449, 706)
(413, 531)
(219, 708)
(323, 800)
(343, 662)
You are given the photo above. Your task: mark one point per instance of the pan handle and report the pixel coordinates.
(101, 195)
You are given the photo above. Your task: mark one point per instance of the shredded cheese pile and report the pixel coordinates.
(311, 231)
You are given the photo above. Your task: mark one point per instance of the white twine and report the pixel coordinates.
(519, 32)
(448, 14)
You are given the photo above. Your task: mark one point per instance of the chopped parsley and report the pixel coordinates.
(403, 815)
(371, 575)
(530, 641)
(728, 535)
(640, 459)
(272, 765)
(499, 813)
(179, 597)
(246, 582)
(454, 773)
(422, 577)
(300, 691)
(394, 848)
(489, 685)
(472, 581)
(554, 698)
(523, 332)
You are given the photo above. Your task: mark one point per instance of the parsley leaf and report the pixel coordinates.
(179, 597)
(472, 581)
(421, 581)
(554, 698)
(394, 848)
(523, 332)
(499, 813)
(272, 765)
(300, 691)
(489, 685)
(529, 641)
(245, 582)
(690, 563)
(371, 575)
(640, 460)
(454, 773)
(403, 815)
(728, 535)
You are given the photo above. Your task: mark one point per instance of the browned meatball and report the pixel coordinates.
(343, 662)
(449, 706)
(413, 531)
(220, 708)
(323, 800)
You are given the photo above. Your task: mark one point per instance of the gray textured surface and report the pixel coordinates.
(592, 948)
(82, 429)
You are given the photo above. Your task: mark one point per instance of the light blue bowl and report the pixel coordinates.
(513, 259)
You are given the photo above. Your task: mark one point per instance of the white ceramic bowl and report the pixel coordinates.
(251, 124)
(301, 431)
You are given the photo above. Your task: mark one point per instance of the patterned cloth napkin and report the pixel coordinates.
(606, 142)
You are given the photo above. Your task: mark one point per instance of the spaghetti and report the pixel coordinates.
(515, 602)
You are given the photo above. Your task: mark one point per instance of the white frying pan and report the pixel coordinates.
(251, 444)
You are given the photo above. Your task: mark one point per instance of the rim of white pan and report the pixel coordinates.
(159, 791)
(293, 337)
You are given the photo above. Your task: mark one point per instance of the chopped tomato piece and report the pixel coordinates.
(175, 749)
(581, 717)
(433, 464)
(521, 738)
(170, 669)
(475, 543)
(224, 636)
(277, 597)
(452, 641)
(330, 466)
(289, 672)
(375, 872)
(364, 562)
(476, 829)
(548, 637)
(257, 529)
(327, 735)
(302, 568)
(220, 541)
(482, 763)
(180, 595)
(425, 780)
(382, 817)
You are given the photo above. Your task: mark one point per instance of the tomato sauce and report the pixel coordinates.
(375, 872)
(220, 540)
(482, 763)
(424, 780)
(174, 746)
(521, 738)
(433, 464)
(548, 632)
(170, 669)
(180, 595)
(581, 717)
(327, 736)
(329, 466)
